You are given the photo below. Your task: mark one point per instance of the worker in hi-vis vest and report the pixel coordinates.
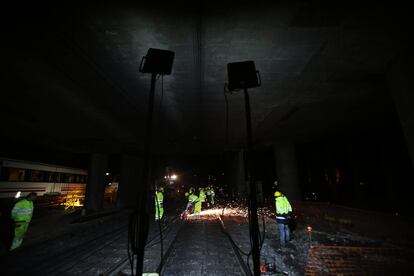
(193, 200)
(283, 214)
(21, 214)
(159, 201)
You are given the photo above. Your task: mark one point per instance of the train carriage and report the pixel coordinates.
(19, 178)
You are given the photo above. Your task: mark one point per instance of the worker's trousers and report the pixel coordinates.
(20, 230)
(197, 209)
(159, 212)
(284, 233)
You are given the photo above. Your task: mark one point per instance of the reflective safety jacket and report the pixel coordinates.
(22, 211)
(159, 198)
(283, 209)
(192, 198)
(202, 195)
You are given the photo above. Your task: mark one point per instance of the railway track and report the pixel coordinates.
(181, 242)
(66, 261)
(62, 262)
(62, 252)
(203, 241)
(124, 263)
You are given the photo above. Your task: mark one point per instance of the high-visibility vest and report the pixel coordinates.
(159, 198)
(22, 210)
(202, 195)
(283, 208)
(192, 198)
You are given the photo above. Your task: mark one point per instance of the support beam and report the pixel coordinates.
(251, 177)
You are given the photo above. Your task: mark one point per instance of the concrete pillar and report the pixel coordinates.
(401, 84)
(129, 180)
(235, 175)
(287, 170)
(95, 188)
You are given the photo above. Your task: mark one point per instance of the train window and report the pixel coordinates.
(4, 174)
(82, 178)
(27, 175)
(52, 177)
(36, 176)
(68, 178)
(16, 174)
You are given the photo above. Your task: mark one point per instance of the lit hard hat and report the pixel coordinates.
(186, 194)
(161, 189)
(277, 194)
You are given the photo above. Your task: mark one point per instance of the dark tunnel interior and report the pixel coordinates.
(184, 162)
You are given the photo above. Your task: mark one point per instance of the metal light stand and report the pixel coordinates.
(253, 200)
(142, 208)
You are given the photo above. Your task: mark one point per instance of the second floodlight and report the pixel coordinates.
(242, 75)
(157, 62)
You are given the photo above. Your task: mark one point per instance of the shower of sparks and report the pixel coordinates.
(231, 210)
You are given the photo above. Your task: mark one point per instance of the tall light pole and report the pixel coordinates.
(156, 62)
(243, 75)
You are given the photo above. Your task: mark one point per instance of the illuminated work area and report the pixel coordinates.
(211, 138)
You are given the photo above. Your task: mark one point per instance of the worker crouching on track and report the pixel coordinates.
(159, 204)
(193, 200)
(21, 214)
(283, 213)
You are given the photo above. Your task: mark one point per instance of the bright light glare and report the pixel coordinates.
(173, 177)
(17, 194)
(107, 173)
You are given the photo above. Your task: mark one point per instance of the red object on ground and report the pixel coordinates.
(263, 267)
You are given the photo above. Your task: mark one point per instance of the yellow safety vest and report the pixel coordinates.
(22, 210)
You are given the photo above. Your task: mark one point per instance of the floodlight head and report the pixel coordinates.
(157, 61)
(242, 75)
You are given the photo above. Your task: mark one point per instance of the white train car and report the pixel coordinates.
(19, 178)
